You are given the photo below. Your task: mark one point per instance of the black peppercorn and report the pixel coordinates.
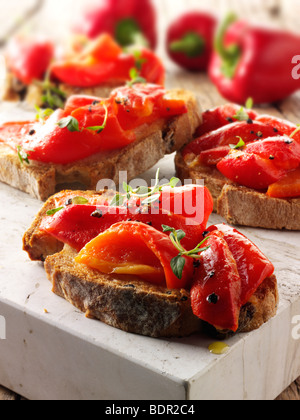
(213, 299)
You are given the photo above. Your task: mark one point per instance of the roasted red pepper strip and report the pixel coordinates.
(231, 271)
(193, 202)
(230, 134)
(29, 59)
(104, 61)
(48, 142)
(76, 225)
(187, 208)
(253, 266)
(254, 62)
(190, 40)
(280, 126)
(213, 156)
(282, 151)
(136, 249)
(216, 289)
(221, 116)
(128, 21)
(250, 170)
(287, 187)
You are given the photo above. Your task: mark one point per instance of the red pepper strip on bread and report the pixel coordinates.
(230, 272)
(187, 208)
(136, 249)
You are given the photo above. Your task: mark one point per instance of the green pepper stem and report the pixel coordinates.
(231, 54)
(128, 32)
(192, 45)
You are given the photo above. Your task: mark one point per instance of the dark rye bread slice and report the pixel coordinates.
(42, 180)
(137, 307)
(240, 205)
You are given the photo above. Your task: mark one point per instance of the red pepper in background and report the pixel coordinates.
(190, 40)
(128, 21)
(29, 59)
(254, 62)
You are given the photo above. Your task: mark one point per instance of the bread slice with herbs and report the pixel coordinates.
(126, 302)
(240, 205)
(134, 306)
(15, 91)
(42, 180)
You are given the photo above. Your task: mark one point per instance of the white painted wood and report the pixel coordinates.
(62, 355)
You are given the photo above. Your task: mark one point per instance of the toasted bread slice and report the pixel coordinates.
(137, 307)
(155, 141)
(240, 205)
(126, 302)
(39, 245)
(15, 91)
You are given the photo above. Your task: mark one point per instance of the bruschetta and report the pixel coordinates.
(94, 138)
(251, 165)
(130, 261)
(42, 75)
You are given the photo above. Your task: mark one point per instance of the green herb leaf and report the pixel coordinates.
(23, 156)
(80, 200)
(135, 78)
(100, 128)
(176, 237)
(240, 144)
(241, 115)
(151, 199)
(249, 103)
(174, 182)
(70, 123)
(54, 211)
(117, 201)
(42, 114)
(167, 228)
(295, 132)
(177, 265)
(52, 96)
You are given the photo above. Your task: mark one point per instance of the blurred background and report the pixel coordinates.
(56, 17)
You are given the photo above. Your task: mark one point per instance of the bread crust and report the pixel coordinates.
(42, 180)
(14, 91)
(137, 307)
(240, 205)
(160, 312)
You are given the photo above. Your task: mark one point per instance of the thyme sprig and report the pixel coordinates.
(23, 156)
(146, 194)
(135, 77)
(178, 263)
(72, 124)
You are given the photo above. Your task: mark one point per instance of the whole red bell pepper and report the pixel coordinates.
(254, 62)
(28, 59)
(129, 21)
(190, 40)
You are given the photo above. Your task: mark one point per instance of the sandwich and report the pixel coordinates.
(250, 164)
(135, 262)
(45, 77)
(94, 138)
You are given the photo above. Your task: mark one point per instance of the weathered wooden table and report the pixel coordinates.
(283, 13)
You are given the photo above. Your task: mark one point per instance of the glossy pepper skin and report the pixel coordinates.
(28, 59)
(128, 21)
(254, 62)
(190, 40)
